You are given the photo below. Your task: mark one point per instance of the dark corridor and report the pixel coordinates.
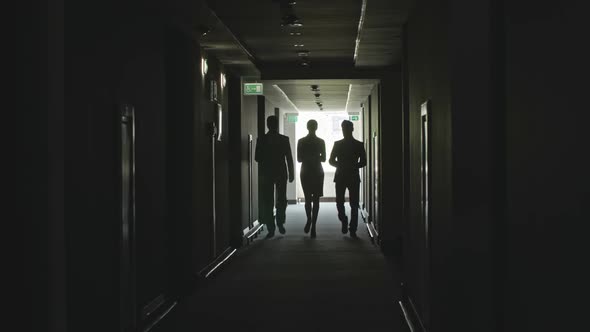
(140, 191)
(295, 283)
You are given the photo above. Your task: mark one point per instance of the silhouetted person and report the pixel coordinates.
(272, 150)
(348, 155)
(311, 153)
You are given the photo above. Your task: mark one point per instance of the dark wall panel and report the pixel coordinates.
(250, 125)
(547, 163)
(239, 199)
(142, 84)
(181, 84)
(374, 154)
(428, 80)
(390, 154)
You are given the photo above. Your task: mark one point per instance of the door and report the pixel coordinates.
(425, 204)
(250, 181)
(127, 279)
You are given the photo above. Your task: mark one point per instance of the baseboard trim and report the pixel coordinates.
(416, 317)
(407, 317)
(251, 232)
(208, 270)
(372, 231)
(149, 309)
(160, 317)
(364, 213)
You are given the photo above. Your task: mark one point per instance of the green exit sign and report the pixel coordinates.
(251, 89)
(292, 118)
(354, 118)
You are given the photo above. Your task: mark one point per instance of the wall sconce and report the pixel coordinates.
(204, 67)
(222, 80)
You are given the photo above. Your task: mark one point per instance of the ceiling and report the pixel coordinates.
(334, 94)
(330, 34)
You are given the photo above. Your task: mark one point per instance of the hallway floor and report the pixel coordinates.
(294, 283)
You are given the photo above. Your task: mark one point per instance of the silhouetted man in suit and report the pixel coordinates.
(272, 151)
(348, 155)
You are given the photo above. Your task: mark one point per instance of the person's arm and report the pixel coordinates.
(333, 156)
(299, 152)
(363, 156)
(323, 151)
(290, 161)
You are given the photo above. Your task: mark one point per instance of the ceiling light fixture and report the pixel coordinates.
(348, 98)
(295, 33)
(359, 31)
(303, 53)
(203, 30)
(291, 20)
(315, 87)
(317, 95)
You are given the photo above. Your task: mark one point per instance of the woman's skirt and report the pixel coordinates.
(313, 184)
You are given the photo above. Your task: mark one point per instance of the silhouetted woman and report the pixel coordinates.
(311, 153)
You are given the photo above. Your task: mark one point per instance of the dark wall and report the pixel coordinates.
(122, 62)
(427, 65)
(243, 122)
(33, 182)
(546, 164)
(55, 139)
(390, 155)
(368, 170)
(475, 162)
(504, 140)
(180, 86)
(374, 154)
(452, 280)
(149, 59)
(250, 126)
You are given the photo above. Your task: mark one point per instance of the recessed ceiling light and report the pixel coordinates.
(295, 33)
(291, 20)
(204, 30)
(298, 45)
(303, 53)
(305, 64)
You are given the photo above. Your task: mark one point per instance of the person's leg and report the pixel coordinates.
(281, 204)
(266, 197)
(308, 200)
(340, 189)
(316, 209)
(353, 192)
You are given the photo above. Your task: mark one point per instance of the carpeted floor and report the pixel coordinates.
(294, 283)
